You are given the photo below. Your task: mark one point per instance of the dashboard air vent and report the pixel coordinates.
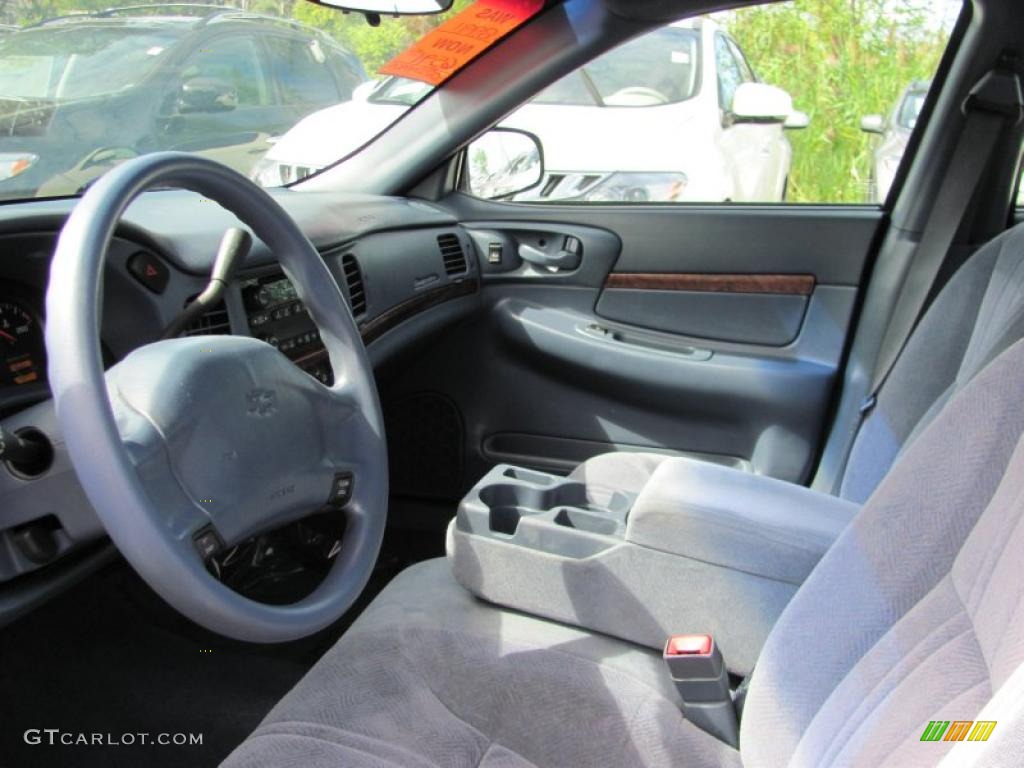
(213, 322)
(452, 253)
(354, 282)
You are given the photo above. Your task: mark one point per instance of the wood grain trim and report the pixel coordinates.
(785, 285)
(384, 322)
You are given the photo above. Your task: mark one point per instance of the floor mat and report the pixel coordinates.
(109, 657)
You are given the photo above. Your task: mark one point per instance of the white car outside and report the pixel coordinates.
(675, 115)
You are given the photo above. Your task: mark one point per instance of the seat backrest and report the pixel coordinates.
(916, 612)
(978, 314)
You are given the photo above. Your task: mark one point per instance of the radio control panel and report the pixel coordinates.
(277, 316)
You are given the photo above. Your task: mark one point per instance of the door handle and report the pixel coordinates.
(568, 257)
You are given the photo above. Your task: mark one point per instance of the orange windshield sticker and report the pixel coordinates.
(448, 47)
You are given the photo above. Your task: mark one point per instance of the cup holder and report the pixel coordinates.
(565, 503)
(559, 518)
(582, 520)
(505, 519)
(529, 476)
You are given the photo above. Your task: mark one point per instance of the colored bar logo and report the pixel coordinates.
(958, 730)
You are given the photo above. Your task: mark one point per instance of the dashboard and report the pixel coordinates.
(23, 353)
(276, 315)
(406, 270)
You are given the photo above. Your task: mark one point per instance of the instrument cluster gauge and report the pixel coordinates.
(22, 349)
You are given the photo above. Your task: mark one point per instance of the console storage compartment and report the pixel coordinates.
(702, 548)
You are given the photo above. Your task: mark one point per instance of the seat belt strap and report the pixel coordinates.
(994, 102)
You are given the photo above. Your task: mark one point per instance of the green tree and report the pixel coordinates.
(841, 60)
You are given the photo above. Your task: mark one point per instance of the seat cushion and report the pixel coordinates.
(430, 676)
(916, 613)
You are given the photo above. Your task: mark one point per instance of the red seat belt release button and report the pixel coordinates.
(687, 645)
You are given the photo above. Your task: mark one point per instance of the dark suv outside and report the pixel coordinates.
(81, 93)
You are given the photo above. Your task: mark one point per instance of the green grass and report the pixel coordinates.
(840, 60)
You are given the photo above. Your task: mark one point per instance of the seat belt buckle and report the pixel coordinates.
(698, 671)
(867, 405)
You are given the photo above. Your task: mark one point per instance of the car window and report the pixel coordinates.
(661, 67)
(234, 61)
(83, 89)
(89, 62)
(741, 61)
(302, 72)
(730, 75)
(348, 71)
(775, 103)
(910, 109)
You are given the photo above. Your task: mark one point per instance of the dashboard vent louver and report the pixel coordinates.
(452, 253)
(214, 322)
(354, 282)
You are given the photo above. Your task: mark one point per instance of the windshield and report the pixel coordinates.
(78, 62)
(666, 61)
(83, 91)
(660, 67)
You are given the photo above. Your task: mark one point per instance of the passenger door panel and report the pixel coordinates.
(752, 309)
(713, 331)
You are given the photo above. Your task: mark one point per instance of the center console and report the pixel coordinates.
(278, 317)
(702, 548)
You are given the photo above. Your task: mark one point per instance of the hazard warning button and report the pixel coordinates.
(149, 270)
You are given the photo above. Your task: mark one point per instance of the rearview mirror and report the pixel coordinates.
(761, 103)
(206, 94)
(504, 162)
(389, 7)
(872, 124)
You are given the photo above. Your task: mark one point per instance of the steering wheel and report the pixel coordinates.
(194, 444)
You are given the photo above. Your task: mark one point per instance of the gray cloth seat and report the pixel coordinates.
(915, 614)
(977, 315)
(431, 676)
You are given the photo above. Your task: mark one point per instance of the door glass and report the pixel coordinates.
(235, 62)
(811, 101)
(729, 74)
(302, 72)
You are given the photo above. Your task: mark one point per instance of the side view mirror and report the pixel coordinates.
(761, 103)
(504, 162)
(363, 90)
(872, 124)
(206, 94)
(797, 121)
